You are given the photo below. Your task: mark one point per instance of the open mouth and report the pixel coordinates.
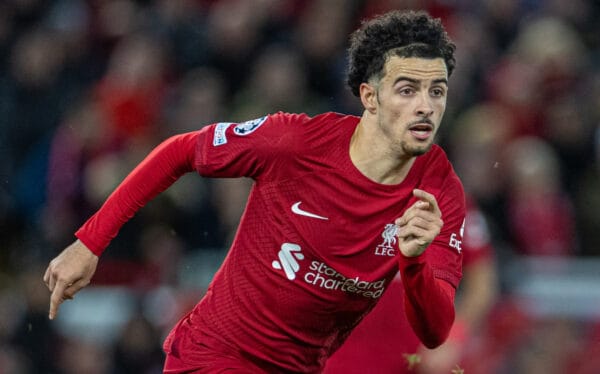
(421, 131)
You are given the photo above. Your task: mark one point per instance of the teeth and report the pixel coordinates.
(421, 134)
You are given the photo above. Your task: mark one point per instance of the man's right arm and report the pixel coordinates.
(74, 267)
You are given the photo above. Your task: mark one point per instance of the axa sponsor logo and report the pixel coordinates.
(321, 275)
(390, 238)
(455, 241)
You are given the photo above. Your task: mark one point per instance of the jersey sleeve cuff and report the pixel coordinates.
(95, 247)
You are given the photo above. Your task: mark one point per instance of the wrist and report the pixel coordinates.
(89, 243)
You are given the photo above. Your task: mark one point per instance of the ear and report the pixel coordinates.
(368, 97)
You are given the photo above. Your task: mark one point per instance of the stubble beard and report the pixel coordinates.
(406, 149)
(414, 151)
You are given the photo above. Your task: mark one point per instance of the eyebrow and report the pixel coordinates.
(413, 80)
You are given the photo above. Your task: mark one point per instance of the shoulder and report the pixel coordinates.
(301, 130)
(438, 176)
(438, 157)
(321, 120)
(437, 168)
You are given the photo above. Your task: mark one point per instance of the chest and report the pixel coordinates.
(339, 222)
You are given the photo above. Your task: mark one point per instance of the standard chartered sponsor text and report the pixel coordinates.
(321, 275)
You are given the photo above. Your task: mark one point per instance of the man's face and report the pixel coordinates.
(411, 100)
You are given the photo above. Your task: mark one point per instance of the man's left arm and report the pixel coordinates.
(428, 301)
(429, 290)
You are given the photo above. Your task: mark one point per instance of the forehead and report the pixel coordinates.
(415, 68)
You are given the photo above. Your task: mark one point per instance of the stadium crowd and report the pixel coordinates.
(87, 88)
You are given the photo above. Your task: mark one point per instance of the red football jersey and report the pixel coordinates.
(316, 246)
(315, 249)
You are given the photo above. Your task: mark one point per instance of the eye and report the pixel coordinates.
(406, 91)
(438, 92)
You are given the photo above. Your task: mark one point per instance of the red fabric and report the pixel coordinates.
(296, 158)
(380, 343)
(204, 359)
(293, 286)
(429, 303)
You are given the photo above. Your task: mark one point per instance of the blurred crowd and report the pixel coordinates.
(87, 88)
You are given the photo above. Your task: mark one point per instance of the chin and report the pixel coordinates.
(414, 151)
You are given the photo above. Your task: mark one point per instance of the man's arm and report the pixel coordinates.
(428, 301)
(74, 267)
(479, 292)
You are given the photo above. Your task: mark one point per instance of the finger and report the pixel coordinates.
(56, 298)
(51, 281)
(47, 276)
(410, 215)
(73, 288)
(427, 230)
(422, 205)
(427, 197)
(416, 207)
(420, 222)
(411, 232)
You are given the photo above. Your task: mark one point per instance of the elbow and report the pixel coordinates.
(434, 337)
(435, 341)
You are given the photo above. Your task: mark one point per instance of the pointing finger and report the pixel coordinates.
(426, 197)
(56, 298)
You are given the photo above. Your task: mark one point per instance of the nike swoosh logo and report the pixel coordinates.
(296, 209)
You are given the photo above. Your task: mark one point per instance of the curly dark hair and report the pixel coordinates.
(403, 33)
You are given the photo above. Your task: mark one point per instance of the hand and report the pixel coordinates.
(419, 224)
(68, 273)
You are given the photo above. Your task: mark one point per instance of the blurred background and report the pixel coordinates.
(87, 88)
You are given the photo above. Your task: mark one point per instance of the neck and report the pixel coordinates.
(374, 157)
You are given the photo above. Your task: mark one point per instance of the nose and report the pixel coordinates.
(424, 107)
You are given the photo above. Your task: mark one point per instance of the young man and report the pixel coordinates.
(339, 205)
